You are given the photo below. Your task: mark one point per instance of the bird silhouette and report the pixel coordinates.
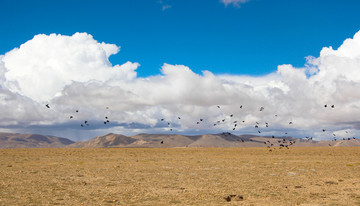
(47, 105)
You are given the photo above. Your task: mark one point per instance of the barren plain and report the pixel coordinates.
(180, 176)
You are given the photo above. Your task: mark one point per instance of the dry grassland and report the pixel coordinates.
(180, 176)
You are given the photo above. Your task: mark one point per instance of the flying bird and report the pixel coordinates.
(47, 105)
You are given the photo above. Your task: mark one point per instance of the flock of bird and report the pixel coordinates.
(284, 143)
(85, 123)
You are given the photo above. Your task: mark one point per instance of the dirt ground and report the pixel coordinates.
(180, 176)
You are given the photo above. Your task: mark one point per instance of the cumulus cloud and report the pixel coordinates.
(234, 2)
(47, 63)
(74, 73)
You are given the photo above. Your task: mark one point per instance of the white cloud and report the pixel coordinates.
(73, 72)
(234, 2)
(41, 67)
(164, 6)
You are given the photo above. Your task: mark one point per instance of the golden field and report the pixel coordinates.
(180, 176)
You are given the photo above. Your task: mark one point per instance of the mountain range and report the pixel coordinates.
(15, 140)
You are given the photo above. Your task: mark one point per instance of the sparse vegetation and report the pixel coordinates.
(180, 176)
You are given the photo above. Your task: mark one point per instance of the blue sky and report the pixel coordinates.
(252, 39)
(252, 54)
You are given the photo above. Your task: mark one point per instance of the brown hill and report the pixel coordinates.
(212, 141)
(15, 140)
(168, 140)
(108, 140)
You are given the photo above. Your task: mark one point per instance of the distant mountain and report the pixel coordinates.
(207, 140)
(108, 140)
(15, 140)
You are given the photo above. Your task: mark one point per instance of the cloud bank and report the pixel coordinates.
(74, 73)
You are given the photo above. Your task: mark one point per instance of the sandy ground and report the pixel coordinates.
(181, 176)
